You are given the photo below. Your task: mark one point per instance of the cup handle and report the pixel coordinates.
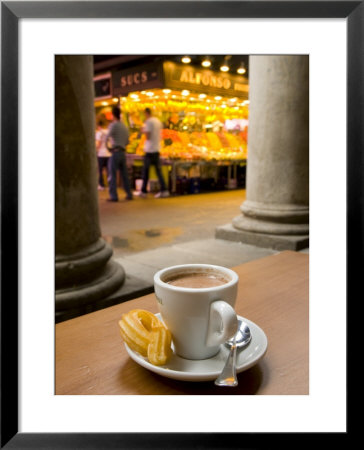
(217, 334)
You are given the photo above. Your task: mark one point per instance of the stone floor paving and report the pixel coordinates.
(149, 234)
(147, 224)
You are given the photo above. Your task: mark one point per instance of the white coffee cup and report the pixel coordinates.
(200, 318)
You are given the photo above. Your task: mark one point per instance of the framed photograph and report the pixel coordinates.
(92, 28)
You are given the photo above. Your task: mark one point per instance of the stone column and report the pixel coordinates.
(276, 211)
(85, 273)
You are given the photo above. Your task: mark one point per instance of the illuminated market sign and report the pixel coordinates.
(178, 76)
(137, 79)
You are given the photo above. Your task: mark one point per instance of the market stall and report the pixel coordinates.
(205, 119)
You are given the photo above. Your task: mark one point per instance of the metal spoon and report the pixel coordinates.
(241, 338)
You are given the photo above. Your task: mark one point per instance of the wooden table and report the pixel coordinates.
(273, 293)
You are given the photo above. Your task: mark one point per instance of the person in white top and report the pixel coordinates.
(152, 130)
(103, 153)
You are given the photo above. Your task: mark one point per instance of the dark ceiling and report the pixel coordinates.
(105, 62)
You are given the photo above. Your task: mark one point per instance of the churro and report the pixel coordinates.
(147, 335)
(159, 348)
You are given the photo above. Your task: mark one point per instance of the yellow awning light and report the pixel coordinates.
(173, 100)
(186, 59)
(225, 66)
(206, 63)
(241, 69)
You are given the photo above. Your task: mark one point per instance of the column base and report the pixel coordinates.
(75, 301)
(274, 241)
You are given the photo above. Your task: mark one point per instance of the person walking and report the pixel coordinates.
(103, 153)
(152, 130)
(119, 136)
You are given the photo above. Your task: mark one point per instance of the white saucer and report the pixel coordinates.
(208, 369)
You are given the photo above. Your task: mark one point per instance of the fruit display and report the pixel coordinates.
(193, 129)
(206, 146)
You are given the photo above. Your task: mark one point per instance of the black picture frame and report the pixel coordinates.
(11, 13)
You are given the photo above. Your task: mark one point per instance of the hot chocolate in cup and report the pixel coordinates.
(196, 302)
